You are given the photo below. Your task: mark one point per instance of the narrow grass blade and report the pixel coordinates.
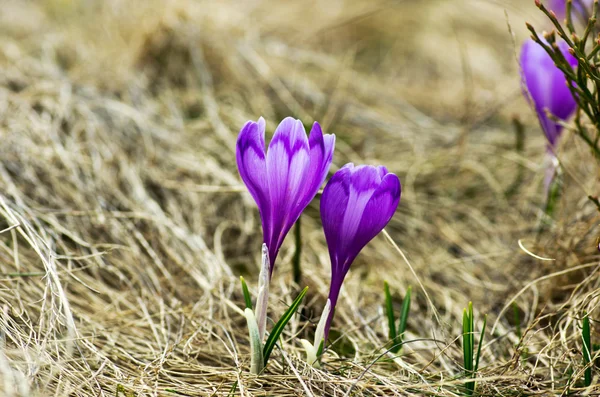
(587, 350)
(247, 298)
(468, 346)
(278, 328)
(404, 313)
(479, 347)
(233, 389)
(471, 333)
(467, 342)
(389, 311)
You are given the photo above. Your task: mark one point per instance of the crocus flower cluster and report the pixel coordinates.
(356, 205)
(547, 87)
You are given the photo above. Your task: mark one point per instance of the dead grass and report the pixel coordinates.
(127, 225)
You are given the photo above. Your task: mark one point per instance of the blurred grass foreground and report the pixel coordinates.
(125, 224)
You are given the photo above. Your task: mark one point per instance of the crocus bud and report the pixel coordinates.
(356, 205)
(285, 179)
(547, 86)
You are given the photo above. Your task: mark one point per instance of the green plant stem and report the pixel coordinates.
(587, 350)
(296, 262)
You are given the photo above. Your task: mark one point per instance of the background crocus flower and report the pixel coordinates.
(547, 87)
(356, 205)
(287, 177)
(583, 8)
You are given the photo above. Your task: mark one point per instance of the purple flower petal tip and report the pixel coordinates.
(547, 86)
(285, 178)
(357, 203)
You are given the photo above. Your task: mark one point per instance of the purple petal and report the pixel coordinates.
(547, 86)
(285, 179)
(379, 210)
(345, 206)
(321, 155)
(250, 157)
(364, 180)
(356, 205)
(581, 8)
(287, 165)
(334, 202)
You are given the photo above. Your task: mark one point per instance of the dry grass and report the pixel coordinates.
(127, 225)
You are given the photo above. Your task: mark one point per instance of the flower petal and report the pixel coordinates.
(342, 205)
(363, 182)
(321, 155)
(356, 205)
(250, 157)
(547, 86)
(334, 203)
(377, 213)
(287, 165)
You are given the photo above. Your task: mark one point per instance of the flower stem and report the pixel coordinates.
(296, 261)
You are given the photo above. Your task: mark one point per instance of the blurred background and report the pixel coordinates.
(118, 122)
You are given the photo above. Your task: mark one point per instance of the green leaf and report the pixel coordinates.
(479, 346)
(389, 311)
(278, 328)
(468, 364)
(320, 349)
(233, 389)
(399, 338)
(587, 349)
(471, 332)
(471, 363)
(246, 294)
(404, 313)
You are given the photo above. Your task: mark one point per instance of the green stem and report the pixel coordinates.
(296, 262)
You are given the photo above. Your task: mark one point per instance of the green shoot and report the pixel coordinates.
(396, 335)
(404, 317)
(278, 328)
(389, 311)
(471, 360)
(587, 350)
(247, 298)
(233, 389)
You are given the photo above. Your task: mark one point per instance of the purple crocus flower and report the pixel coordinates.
(287, 177)
(547, 87)
(580, 7)
(356, 205)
